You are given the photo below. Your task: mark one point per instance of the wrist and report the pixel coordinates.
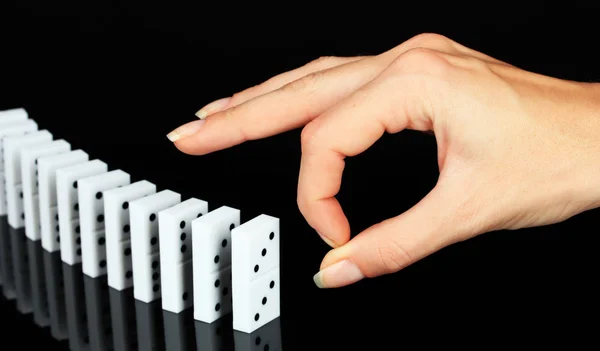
(586, 124)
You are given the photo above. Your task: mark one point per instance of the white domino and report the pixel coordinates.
(12, 172)
(91, 219)
(68, 206)
(48, 200)
(29, 176)
(6, 130)
(175, 239)
(211, 241)
(144, 242)
(13, 115)
(118, 231)
(255, 270)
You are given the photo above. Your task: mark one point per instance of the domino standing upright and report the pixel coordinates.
(175, 228)
(20, 128)
(118, 231)
(145, 245)
(255, 268)
(91, 218)
(12, 164)
(212, 263)
(13, 115)
(47, 166)
(29, 174)
(68, 206)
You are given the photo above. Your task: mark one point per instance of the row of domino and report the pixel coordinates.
(152, 241)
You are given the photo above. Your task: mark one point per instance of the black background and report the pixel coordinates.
(114, 77)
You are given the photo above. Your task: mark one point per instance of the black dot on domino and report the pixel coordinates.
(126, 228)
(128, 274)
(231, 226)
(155, 276)
(75, 184)
(184, 296)
(256, 269)
(153, 241)
(155, 288)
(102, 264)
(152, 217)
(125, 205)
(217, 258)
(225, 291)
(127, 252)
(101, 241)
(154, 264)
(98, 195)
(256, 317)
(264, 252)
(217, 307)
(272, 284)
(264, 301)
(182, 236)
(100, 218)
(77, 229)
(257, 341)
(271, 236)
(224, 242)
(183, 248)
(182, 224)
(217, 283)
(76, 207)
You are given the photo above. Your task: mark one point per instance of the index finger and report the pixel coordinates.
(284, 109)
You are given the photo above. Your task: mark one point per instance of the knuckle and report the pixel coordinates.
(307, 137)
(324, 62)
(421, 60)
(239, 96)
(427, 40)
(307, 85)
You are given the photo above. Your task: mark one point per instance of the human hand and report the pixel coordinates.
(515, 149)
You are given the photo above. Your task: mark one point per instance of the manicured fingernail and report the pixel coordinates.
(337, 275)
(185, 130)
(327, 241)
(213, 107)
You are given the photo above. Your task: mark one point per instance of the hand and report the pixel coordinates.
(515, 149)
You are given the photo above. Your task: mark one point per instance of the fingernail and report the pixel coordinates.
(337, 275)
(212, 107)
(327, 241)
(185, 130)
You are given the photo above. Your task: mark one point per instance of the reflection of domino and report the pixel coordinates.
(68, 206)
(145, 244)
(255, 268)
(175, 239)
(91, 218)
(30, 179)
(12, 172)
(118, 230)
(48, 198)
(6, 130)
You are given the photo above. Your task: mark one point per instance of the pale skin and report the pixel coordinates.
(515, 149)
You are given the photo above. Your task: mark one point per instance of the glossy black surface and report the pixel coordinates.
(113, 77)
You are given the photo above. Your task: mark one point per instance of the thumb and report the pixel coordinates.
(395, 243)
